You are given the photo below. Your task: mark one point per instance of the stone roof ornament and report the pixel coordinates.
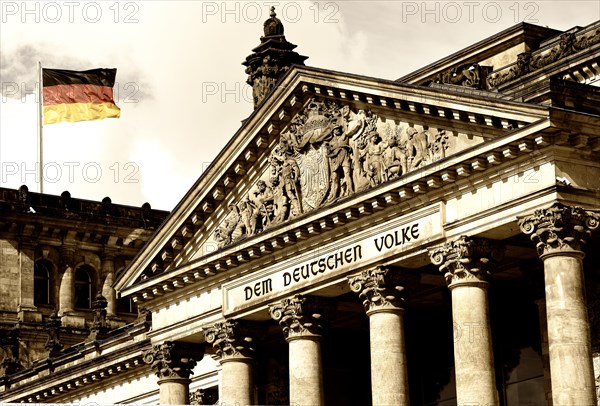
(271, 59)
(273, 25)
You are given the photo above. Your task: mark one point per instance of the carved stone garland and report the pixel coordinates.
(526, 62)
(328, 153)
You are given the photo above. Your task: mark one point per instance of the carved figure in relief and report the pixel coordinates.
(416, 147)
(374, 161)
(471, 75)
(359, 125)
(439, 145)
(394, 155)
(224, 234)
(287, 172)
(247, 217)
(261, 198)
(339, 153)
(280, 201)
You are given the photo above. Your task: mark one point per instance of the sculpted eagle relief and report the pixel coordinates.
(328, 152)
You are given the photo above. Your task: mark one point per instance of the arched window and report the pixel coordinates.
(41, 283)
(84, 287)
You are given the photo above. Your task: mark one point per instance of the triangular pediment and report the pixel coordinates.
(319, 139)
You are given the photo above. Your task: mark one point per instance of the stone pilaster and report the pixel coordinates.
(235, 351)
(26, 307)
(466, 264)
(108, 273)
(560, 233)
(301, 322)
(27, 253)
(66, 293)
(173, 364)
(382, 296)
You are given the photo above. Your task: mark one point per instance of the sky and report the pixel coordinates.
(180, 83)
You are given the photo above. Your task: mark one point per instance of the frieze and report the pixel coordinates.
(361, 249)
(528, 62)
(329, 152)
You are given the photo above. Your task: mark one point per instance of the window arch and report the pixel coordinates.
(42, 271)
(84, 287)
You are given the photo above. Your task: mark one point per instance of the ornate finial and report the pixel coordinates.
(271, 59)
(53, 344)
(99, 329)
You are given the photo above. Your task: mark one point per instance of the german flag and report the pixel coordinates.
(78, 95)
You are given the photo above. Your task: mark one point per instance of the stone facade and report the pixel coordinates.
(59, 256)
(426, 241)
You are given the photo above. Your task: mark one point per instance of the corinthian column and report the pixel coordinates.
(235, 351)
(466, 264)
(173, 364)
(384, 303)
(301, 323)
(560, 233)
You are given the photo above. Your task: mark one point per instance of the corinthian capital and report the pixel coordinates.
(298, 316)
(559, 228)
(379, 289)
(173, 360)
(229, 339)
(467, 259)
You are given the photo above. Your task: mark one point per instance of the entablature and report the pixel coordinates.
(426, 185)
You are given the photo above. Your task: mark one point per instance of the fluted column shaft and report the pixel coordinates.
(173, 364)
(560, 233)
(301, 323)
(382, 298)
(466, 263)
(234, 348)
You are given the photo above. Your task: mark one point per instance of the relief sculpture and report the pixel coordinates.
(328, 152)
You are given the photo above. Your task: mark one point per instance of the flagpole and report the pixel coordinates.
(40, 127)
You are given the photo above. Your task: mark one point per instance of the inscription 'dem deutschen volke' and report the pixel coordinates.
(331, 262)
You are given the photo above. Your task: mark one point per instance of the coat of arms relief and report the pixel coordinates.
(327, 153)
